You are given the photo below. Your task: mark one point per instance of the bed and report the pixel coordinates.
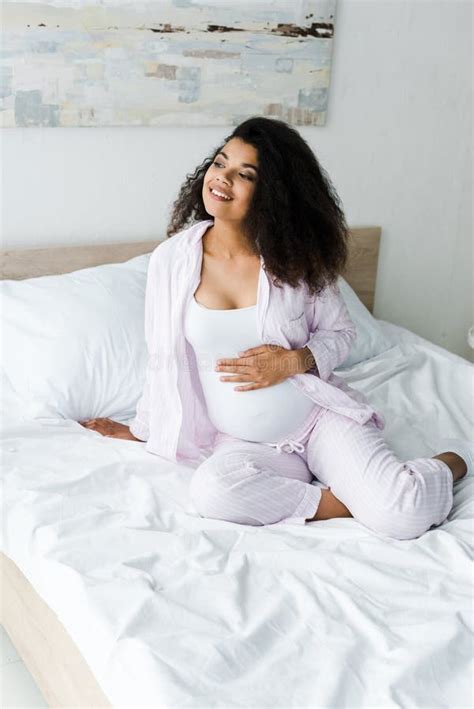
(115, 592)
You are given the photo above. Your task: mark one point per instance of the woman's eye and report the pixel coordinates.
(247, 177)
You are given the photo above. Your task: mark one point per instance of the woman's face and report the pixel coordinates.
(233, 174)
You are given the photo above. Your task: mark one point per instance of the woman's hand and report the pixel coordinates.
(109, 428)
(265, 366)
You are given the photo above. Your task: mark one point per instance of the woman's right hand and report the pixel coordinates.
(109, 428)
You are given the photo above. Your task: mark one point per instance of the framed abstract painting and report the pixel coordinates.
(167, 62)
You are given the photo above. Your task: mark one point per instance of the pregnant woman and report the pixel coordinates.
(244, 325)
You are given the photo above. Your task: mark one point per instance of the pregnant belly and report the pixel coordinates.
(261, 415)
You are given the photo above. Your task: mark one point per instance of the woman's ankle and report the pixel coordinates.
(455, 463)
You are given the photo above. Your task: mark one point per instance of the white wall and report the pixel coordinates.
(397, 145)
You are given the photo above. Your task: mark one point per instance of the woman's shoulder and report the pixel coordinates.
(169, 247)
(166, 250)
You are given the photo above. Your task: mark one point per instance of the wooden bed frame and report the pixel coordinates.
(58, 668)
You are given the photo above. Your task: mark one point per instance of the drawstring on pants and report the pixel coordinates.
(292, 446)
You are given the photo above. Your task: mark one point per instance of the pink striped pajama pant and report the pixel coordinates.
(262, 483)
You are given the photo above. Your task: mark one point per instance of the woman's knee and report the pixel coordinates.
(204, 489)
(212, 485)
(399, 529)
(392, 523)
(407, 508)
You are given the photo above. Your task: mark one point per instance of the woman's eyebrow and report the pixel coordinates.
(244, 164)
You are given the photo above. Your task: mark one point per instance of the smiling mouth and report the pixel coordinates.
(218, 197)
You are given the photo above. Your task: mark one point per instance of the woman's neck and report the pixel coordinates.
(227, 241)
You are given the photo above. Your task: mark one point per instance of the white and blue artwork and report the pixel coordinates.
(167, 62)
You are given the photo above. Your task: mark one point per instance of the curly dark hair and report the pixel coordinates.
(295, 220)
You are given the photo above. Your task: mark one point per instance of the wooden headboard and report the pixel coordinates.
(17, 264)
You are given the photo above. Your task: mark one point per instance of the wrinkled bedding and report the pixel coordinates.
(173, 610)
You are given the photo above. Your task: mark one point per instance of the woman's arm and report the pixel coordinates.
(140, 424)
(332, 333)
(306, 361)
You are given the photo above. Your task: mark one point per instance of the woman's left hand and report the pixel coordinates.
(264, 366)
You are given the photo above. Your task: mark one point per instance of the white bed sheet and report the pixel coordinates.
(173, 610)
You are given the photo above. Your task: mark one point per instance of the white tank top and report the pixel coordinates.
(262, 415)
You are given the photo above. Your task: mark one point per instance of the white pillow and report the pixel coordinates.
(371, 339)
(73, 345)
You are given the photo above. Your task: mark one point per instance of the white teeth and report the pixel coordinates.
(219, 194)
